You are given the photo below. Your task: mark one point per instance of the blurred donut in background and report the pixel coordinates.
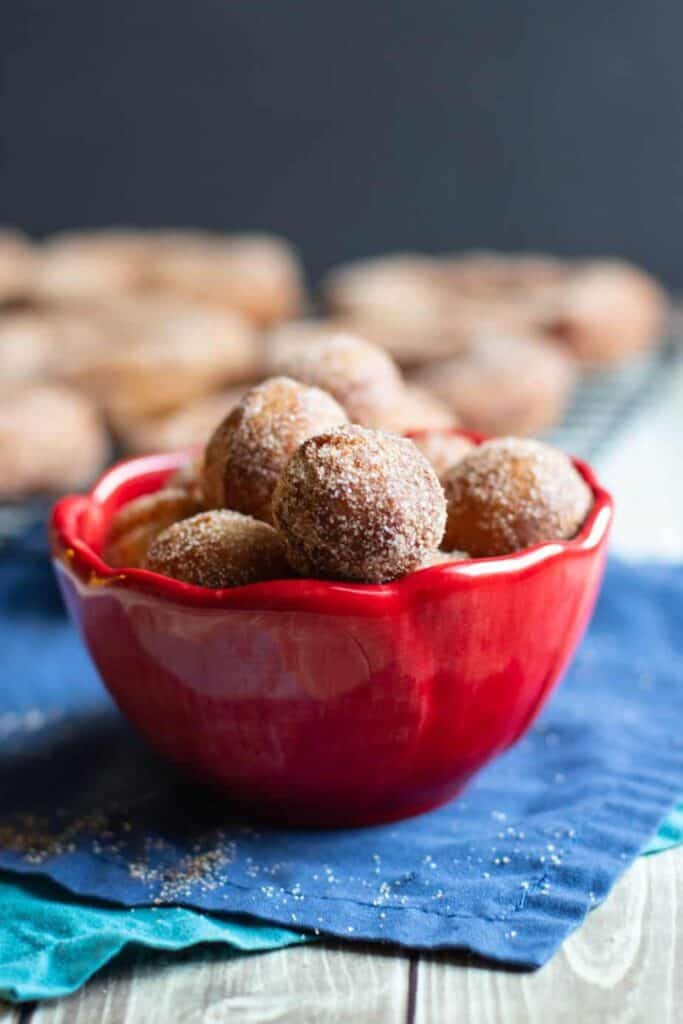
(161, 332)
(443, 449)
(258, 275)
(414, 408)
(606, 311)
(361, 376)
(155, 354)
(422, 308)
(26, 348)
(81, 265)
(17, 258)
(187, 427)
(504, 385)
(51, 439)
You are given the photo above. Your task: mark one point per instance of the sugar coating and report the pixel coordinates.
(140, 521)
(511, 493)
(251, 447)
(219, 549)
(360, 375)
(358, 504)
(443, 449)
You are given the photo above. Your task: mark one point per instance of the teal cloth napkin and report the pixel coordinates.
(52, 942)
(670, 832)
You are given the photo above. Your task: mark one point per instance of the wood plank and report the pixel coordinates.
(303, 985)
(624, 964)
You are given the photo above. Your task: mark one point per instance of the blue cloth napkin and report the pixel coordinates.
(51, 943)
(507, 871)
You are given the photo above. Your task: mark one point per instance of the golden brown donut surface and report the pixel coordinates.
(219, 549)
(512, 493)
(361, 376)
(137, 523)
(250, 448)
(357, 504)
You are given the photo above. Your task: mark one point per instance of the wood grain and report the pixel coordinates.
(624, 965)
(307, 985)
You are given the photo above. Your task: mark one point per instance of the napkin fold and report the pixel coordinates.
(507, 871)
(51, 942)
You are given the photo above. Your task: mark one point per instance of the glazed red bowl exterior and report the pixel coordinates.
(319, 703)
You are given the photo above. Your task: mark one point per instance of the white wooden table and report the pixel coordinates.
(624, 964)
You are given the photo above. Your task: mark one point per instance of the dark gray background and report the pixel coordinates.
(351, 126)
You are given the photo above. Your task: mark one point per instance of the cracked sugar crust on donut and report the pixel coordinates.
(251, 447)
(357, 504)
(136, 525)
(219, 548)
(512, 493)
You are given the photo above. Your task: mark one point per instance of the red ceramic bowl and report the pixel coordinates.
(318, 703)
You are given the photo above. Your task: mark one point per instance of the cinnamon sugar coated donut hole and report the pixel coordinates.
(219, 549)
(443, 449)
(357, 504)
(512, 493)
(140, 521)
(360, 375)
(250, 448)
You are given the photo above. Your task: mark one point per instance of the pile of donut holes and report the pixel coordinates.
(131, 340)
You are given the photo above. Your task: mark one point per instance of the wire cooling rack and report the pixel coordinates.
(605, 400)
(602, 404)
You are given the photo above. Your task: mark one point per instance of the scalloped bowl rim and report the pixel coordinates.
(289, 594)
